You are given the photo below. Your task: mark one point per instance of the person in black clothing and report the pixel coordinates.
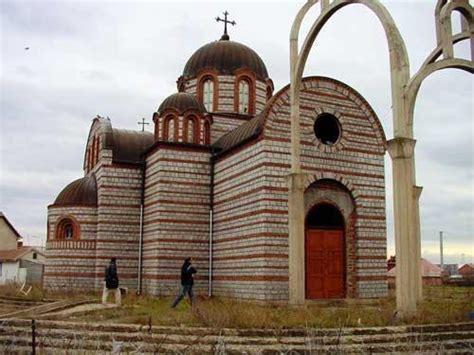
(111, 283)
(187, 281)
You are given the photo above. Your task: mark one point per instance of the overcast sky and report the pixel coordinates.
(121, 59)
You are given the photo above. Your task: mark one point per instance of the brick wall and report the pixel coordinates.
(356, 161)
(250, 227)
(176, 217)
(118, 222)
(70, 264)
(251, 195)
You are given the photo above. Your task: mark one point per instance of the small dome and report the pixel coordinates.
(226, 57)
(182, 102)
(79, 192)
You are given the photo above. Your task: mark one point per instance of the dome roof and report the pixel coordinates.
(226, 57)
(182, 102)
(79, 192)
(128, 146)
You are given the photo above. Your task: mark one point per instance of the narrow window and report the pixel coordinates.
(93, 153)
(191, 131)
(170, 133)
(35, 256)
(208, 95)
(244, 97)
(169, 129)
(97, 151)
(1, 268)
(68, 231)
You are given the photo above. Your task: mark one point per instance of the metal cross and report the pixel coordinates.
(225, 36)
(142, 123)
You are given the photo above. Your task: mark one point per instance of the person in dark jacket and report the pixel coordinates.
(187, 281)
(111, 283)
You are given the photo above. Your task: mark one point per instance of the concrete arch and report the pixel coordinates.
(444, 24)
(415, 83)
(399, 64)
(398, 54)
(436, 53)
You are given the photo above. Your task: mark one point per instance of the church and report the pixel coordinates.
(211, 183)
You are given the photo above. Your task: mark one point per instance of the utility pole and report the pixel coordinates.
(441, 258)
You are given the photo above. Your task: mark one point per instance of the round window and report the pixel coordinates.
(327, 129)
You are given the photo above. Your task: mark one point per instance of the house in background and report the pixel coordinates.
(451, 269)
(9, 237)
(431, 274)
(18, 263)
(467, 270)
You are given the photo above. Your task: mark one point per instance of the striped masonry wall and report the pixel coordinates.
(70, 263)
(249, 248)
(356, 161)
(118, 222)
(176, 221)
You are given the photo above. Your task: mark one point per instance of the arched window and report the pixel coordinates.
(244, 94)
(191, 131)
(208, 94)
(67, 229)
(169, 129)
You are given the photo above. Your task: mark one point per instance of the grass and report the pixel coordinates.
(441, 304)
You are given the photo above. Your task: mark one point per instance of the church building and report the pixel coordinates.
(211, 183)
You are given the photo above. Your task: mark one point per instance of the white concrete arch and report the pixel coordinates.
(400, 148)
(414, 85)
(444, 25)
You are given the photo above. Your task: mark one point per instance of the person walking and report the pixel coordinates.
(187, 281)
(111, 283)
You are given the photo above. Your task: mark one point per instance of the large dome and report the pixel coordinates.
(226, 57)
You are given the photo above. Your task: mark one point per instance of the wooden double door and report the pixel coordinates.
(324, 259)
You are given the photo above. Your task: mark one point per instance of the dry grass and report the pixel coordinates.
(441, 305)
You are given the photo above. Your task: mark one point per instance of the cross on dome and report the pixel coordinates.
(143, 123)
(225, 36)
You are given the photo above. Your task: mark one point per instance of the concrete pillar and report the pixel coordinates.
(401, 151)
(417, 226)
(296, 252)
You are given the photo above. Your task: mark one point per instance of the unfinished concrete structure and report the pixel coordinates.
(401, 147)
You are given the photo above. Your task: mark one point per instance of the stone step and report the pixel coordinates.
(16, 334)
(67, 345)
(211, 339)
(199, 331)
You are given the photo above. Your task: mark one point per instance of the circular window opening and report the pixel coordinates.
(326, 129)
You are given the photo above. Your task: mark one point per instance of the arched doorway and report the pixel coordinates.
(324, 253)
